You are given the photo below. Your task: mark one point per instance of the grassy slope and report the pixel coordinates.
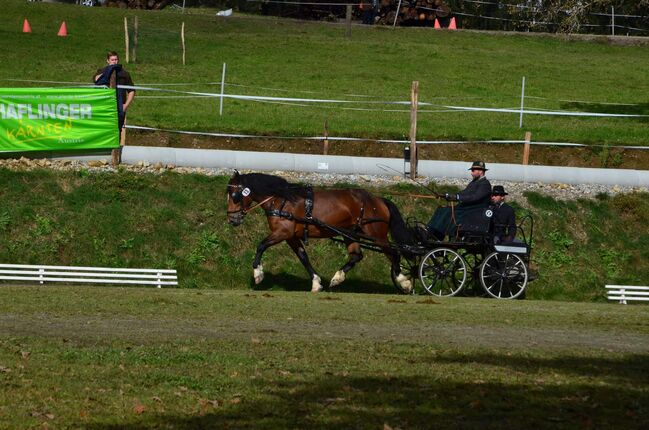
(178, 221)
(453, 68)
(108, 358)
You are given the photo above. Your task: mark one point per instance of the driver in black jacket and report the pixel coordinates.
(476, 195)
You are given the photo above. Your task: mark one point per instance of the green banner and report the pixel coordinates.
(37, 119)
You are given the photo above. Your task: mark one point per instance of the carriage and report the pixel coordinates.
(444, 265)
(468, 260)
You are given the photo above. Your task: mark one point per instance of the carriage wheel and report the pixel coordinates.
(408, 268)
(503, 275)
(443, 272)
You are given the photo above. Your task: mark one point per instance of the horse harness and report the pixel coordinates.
(309, 220)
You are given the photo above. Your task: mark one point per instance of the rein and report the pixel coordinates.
(417, 196)
(244, 211)
(258, 204)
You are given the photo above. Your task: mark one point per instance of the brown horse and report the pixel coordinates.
(296, 212)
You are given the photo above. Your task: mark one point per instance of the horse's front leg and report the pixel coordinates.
(257, 268)
(298, 248)
(355, 255)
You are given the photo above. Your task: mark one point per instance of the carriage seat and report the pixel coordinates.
(476, 222)
(468, 222)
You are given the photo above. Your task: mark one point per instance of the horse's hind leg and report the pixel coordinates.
(355, 255)
(298, 248)
(405, 283)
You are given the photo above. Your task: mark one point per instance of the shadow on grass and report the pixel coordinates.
(289, 282)
(540, 393)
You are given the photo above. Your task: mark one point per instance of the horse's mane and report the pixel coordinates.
(269, 185)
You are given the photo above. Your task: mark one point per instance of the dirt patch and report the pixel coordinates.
(492, 153)
(152, 331)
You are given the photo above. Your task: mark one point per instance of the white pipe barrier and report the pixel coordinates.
(268, 161)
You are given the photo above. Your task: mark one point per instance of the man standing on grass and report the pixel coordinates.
(114, 76)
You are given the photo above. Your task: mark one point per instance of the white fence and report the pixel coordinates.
(88, 275)
(627, 292)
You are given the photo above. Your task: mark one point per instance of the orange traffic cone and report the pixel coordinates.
(63, 31)
(452, 25)
(26, 27)
(437, 26)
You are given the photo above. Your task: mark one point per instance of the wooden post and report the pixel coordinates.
(348, 20)
(526, 150)
(414, 94)
(135, 31)
(182, 39)
(325, 149)
(126, 48)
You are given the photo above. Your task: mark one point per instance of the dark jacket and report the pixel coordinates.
(122, 78)
(476, 194)
(504, 221)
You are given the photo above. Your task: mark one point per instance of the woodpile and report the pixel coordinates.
(414, 13)
(420, 13)
(138, 4)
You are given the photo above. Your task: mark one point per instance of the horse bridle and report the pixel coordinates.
(237, 197)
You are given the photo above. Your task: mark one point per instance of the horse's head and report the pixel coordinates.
(238, 199)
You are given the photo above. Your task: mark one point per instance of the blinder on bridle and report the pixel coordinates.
(237, 194)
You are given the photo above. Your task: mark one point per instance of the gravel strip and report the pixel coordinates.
(515, 189)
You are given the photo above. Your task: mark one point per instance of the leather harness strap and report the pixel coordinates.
(308, 209)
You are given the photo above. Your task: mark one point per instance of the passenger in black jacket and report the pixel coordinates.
(476, 195)
(504, 219)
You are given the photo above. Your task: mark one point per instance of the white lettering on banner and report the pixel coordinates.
(46, 111)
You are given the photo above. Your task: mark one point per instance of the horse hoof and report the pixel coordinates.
(405, 283)
(316, 286)
(338, 279)
(258, 274)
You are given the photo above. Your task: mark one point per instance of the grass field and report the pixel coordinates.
(315, 60)
(109, 358)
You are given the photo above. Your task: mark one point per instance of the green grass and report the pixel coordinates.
(135, 358)
(125, 219)
(453, 68)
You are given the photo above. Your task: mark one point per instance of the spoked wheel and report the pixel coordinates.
(503, 275)
(408, 268)
(443, 272)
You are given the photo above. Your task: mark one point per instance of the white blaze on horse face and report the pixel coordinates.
(338, 278)
(316, 286)
(258, 273)
(405, 283)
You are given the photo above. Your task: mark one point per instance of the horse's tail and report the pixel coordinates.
(398, 228)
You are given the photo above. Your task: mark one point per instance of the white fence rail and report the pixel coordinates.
(627, 292)
(89, 275)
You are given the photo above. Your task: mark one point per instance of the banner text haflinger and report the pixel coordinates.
(33, 119)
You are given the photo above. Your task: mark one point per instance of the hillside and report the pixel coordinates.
(285, 58)
(127, 219)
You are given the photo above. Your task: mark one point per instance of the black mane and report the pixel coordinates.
(269, 185)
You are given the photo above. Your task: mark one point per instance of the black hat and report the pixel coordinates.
(498, 190)
(478, 165)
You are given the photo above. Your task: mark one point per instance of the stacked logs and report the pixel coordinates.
(138, 4)
(420, 13)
